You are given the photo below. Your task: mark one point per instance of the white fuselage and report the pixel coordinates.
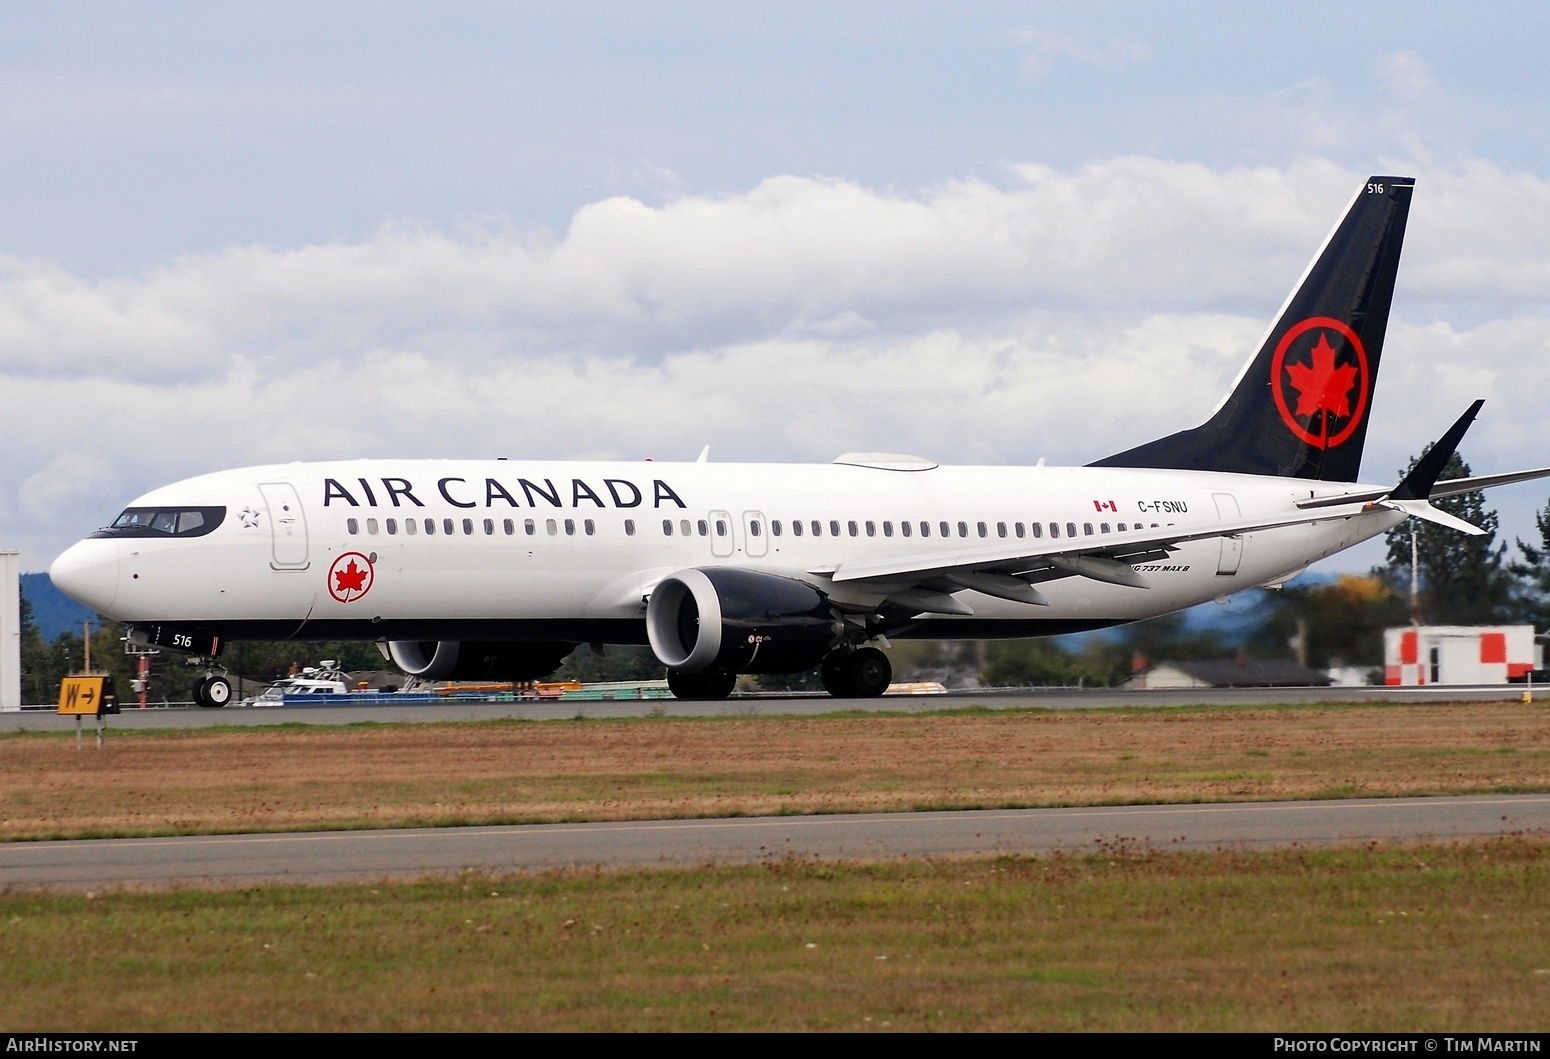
(570, 550)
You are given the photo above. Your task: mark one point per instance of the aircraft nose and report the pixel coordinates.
(88, 573)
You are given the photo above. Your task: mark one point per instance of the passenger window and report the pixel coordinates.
(371, 526)
(447, 527)
(721, 527)
(468, 527)
(590, 526)
(667, 527)
(796, 527)
(1018, 526)
(1054, 530)
(570, 527)
(854, 529)
(430, 527)
(629, 527)
(391, 525)
(925, 529)
(980, 526)
(904, 527)
(963, 529)
(1000, 529)
(489, 527)
(1070, 529)
(411, 527)
(529, 526)
(834, 527)
(1037, 528)
(1103, 527)
(551, 526)
(946, 530)
(1154, 525)
(683, 526)
(352, 526)
(704, 527)
(509, 526)
(775, 527)
(1122, 527)
(871, 528)
(753, 528)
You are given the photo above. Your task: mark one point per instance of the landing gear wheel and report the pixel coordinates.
(199, 690)
(711, 684)
(832, 673)
(868, 673)
(217, 692)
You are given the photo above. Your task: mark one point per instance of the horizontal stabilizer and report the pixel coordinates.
(1422, 510)
(1455, 486)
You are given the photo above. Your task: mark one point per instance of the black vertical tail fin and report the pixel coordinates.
(1300, 407)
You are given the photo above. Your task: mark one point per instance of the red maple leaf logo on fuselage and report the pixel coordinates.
(351, 579)
(1321, 386)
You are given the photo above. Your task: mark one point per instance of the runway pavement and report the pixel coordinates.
(764, 705)
(333, 856)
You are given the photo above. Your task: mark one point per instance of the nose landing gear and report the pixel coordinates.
(212, 691)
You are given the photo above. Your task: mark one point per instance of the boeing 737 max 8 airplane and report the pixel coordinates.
(496, 569)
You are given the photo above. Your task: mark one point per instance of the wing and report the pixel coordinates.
(925, 582)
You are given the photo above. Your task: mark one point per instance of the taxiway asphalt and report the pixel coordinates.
(338, 856)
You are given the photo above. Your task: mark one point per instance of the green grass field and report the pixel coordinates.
(1391, 938)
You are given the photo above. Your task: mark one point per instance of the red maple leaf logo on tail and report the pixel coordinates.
(351, 579)
(1322, 387)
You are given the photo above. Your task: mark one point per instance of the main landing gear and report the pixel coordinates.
(860, 674)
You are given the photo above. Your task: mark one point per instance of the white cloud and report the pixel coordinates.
(1045, 48)
(1063, 314)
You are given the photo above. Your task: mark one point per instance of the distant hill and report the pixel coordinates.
(53, 612)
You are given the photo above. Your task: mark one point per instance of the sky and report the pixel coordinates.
(984, 233)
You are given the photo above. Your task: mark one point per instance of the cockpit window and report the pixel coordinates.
(164, 522)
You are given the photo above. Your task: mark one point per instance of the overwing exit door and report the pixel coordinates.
(721, 539)
(755, 535)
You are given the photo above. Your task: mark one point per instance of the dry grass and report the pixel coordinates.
(243, 779)
(1391, 939)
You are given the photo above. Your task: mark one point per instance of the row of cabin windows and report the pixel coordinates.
(702, 527)
(449, 527)
(815, 528)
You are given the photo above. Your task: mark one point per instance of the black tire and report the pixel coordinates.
(868, 673)
(712, 684)
(833, 674)
(199, 691)
(217, 692)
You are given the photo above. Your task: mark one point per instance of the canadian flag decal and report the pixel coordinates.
(1105, 505)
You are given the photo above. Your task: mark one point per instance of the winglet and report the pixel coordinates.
(1418, 483)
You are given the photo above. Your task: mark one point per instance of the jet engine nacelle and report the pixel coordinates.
(739, 620)
(476, 660)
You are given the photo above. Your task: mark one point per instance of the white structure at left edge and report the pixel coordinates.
(1459, 654)
(10, 631)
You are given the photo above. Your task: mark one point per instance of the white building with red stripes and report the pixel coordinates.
(1458, 654)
